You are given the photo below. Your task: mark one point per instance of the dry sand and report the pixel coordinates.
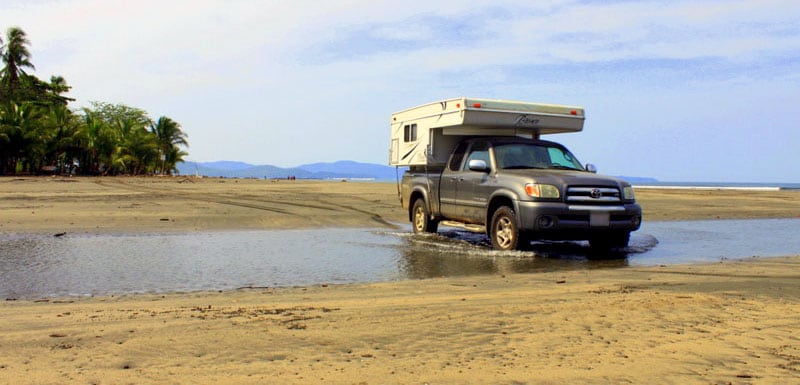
(102, 205)
(730, 322)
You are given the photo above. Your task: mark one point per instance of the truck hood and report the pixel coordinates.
(565, 177)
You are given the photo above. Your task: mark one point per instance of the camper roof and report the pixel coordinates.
(473, 116)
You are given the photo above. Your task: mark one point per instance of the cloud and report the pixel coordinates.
(184, 45)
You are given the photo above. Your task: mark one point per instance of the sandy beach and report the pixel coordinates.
(125, 205)
(731, 322)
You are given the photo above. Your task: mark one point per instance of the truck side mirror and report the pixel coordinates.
(591, 168)
(478, 165)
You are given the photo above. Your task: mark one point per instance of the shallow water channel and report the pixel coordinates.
(34, 266)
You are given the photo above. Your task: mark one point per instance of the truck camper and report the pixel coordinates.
(427, 134)
(481, 165)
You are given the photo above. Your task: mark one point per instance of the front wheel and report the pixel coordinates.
(504, 230)
(421, 219)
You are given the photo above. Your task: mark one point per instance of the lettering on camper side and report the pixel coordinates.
(526, 121)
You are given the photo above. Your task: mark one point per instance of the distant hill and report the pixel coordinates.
(343, 169)
(337, 170)
(228, 165)
(347, 167)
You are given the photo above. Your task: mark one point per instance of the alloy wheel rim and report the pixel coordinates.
(419, 219)
(504, 232)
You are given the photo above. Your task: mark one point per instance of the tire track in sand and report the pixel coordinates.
(226, 199)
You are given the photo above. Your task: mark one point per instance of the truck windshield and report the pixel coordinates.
(528, 155)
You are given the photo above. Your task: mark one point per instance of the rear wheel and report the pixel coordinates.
(504, 231)
(421, 219)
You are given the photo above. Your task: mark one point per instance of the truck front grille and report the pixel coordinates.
(592, 194)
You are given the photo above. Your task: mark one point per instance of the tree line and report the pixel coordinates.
(41, 134)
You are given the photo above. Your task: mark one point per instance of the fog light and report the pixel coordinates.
(637, 221)
(545, 222)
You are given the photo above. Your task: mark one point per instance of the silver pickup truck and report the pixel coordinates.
(517, 190)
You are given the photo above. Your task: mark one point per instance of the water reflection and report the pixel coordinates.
(458, 253)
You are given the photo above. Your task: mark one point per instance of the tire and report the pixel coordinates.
(504, 231)
(421, 220)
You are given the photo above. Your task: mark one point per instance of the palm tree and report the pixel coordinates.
(63, 148)
(170, 136)
(171, 160)
(38, 131)
(141, 151)
(98, 143)
(58, 85)
(6, 135)
(115, 127)
(53, 93)
(21, 136)
(16, 57)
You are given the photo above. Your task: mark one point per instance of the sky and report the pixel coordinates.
(692, 91)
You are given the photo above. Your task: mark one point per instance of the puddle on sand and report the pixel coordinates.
(33, 266)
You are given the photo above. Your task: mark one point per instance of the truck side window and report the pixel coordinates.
(410, 133)
(480, 151)
(458, 156)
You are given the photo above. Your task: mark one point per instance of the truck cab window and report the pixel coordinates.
(457, 157)
(480, 151)
(533, 156)
(564, 159)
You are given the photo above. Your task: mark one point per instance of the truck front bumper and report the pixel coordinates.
(558, 217)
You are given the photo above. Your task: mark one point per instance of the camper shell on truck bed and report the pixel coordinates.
(426, 135)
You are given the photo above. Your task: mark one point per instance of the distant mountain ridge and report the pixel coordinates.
(344, 169)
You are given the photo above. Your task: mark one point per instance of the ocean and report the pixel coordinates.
(720, 185)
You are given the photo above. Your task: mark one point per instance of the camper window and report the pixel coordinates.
(410, 133)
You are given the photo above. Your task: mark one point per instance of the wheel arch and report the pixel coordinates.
(497, 201)
(417, 193)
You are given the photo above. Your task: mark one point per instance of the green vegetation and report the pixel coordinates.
(40, 134)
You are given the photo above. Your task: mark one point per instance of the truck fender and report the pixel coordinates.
(501, 197)
(416, 193)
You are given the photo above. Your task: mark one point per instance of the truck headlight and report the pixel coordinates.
(627, 193)
(537, 190)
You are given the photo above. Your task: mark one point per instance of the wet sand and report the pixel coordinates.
(729, 322)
